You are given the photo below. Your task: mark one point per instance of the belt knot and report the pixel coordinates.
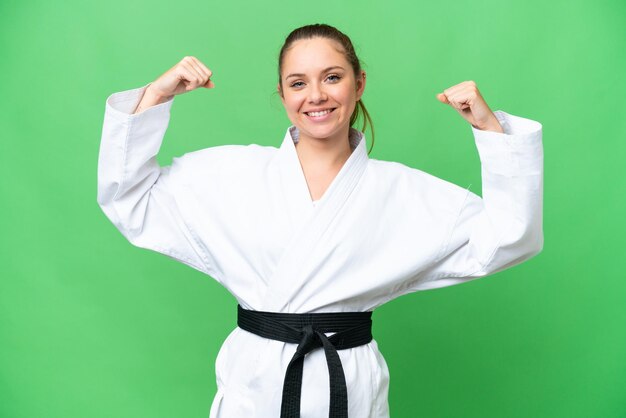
(311, 339)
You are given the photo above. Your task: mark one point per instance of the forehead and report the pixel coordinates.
(312, 55)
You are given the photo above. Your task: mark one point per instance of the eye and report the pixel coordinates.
(297, 84)
(333, 78)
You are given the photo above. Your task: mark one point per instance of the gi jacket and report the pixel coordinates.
(243, 215)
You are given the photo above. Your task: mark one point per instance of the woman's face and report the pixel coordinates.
(319, 88)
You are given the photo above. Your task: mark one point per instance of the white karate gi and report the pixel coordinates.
(244, 216)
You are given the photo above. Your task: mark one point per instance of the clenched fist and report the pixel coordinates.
(468, 102)
(189, 74)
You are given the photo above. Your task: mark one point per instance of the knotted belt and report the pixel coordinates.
(351, 329)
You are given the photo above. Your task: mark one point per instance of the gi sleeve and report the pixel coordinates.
(504, 227)
(134, 192)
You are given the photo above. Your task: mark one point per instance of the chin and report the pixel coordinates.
(321, 132)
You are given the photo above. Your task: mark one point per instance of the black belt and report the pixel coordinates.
(352, 329)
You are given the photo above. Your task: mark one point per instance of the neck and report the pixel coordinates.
(326, 153)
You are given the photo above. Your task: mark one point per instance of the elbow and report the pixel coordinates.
(516, 250)
(530, 241)
(127, 215)
(539, 242)
(525, 247)
(106, 198)
(535, 245)
(106, 194)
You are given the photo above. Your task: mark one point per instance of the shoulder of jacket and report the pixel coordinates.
(414, 183)
(231, 152)
(399, 171)
(225, 157)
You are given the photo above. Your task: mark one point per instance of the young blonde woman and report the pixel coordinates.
(313, 235)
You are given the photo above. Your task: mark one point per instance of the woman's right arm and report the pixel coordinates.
(134, 192)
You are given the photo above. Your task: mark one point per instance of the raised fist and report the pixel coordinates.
(466, 99)
(189, 74)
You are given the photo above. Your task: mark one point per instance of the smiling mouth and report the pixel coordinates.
(320, 113)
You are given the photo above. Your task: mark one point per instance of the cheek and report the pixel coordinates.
(347, 96)
(291, 109)
(349, 100)
(292, 103)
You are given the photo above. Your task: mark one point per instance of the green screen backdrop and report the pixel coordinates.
(91, 326)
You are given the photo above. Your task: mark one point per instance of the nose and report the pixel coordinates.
(317, 93)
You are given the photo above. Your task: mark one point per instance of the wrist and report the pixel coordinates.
(156, 96)
(150, 98)
(493, 126)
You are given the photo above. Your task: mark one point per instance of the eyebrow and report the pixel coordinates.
(325, 70)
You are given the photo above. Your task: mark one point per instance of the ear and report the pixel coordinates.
(360, 85)
(280, 92)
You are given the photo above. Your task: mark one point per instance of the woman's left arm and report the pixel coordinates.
(505, 226)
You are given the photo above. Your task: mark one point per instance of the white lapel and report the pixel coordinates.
(309, 222)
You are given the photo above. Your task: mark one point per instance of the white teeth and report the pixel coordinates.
(316, 114)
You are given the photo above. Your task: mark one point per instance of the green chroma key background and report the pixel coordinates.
(91, 326)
